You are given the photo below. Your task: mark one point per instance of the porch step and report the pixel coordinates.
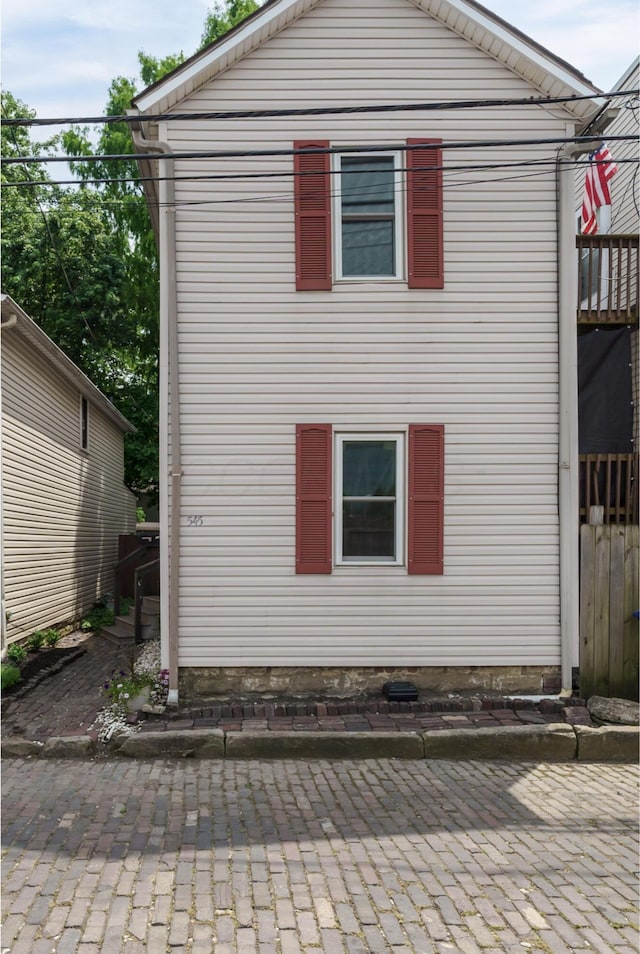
(122, 632)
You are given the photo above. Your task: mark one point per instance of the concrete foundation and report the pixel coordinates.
(218, 682)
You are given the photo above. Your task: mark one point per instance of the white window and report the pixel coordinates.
(367, 216)
(369, 498)
(84, 423)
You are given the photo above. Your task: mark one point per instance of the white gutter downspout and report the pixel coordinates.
(568, 460)
(170, 462)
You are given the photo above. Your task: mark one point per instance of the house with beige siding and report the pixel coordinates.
(369, 457)
(64, 501)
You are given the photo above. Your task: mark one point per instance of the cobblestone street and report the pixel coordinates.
(215, 857)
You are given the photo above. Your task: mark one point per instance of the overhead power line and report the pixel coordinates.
(329, 150)
(316, 110)
(287, 174)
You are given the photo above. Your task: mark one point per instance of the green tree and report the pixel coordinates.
(83, 260)
(224, 16)
(65, 263)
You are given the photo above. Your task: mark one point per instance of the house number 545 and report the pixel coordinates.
(195, 521)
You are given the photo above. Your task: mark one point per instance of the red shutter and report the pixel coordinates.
(312, 195)
(313, 498)
(426, 498)
(424, 215)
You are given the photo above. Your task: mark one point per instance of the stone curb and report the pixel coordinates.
(172, 743)
(324, 745)
(69, 747)
(18, 748)
(538, 743)
(608, 743)
(555, 742)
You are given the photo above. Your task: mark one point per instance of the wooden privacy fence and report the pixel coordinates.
(609, 631)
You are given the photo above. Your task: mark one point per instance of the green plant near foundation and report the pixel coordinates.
(51, 638)
(9, 675)
(16, 654)
(36, 641)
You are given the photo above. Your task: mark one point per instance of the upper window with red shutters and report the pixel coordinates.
(368, 216)
(368, 221)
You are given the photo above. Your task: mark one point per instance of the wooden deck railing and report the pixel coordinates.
(610, 481)
(608, 279)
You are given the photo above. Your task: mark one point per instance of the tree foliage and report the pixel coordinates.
(83, 262)
(76, 268)
(224, 16)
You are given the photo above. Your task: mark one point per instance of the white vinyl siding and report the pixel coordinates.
(257, 357)
(63, 507)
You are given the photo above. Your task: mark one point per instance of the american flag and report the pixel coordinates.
(600, 169)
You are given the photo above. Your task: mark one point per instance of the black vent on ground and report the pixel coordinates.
(400, 691)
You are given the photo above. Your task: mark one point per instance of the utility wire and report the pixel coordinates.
(311, 151)
(193, 204)
(316, 110)
(291, 174)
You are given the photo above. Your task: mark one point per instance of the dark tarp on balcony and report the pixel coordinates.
(605, 400)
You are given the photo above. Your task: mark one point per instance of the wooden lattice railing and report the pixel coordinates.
(608, 279)
(609, 481)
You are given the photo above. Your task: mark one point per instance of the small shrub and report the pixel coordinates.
(36, 641)
(16, 654)
(52, 637)
(10, 675)
(140, 515)
(98, 617)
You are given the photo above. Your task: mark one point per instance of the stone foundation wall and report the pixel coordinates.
(335, 682)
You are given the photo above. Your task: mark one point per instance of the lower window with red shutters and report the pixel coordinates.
(370, 498)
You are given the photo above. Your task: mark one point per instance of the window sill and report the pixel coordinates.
(367, 563)
(371, 280)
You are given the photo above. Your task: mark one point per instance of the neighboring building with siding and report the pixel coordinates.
(625, 188)
(608, 363)
(369, 447)
(64, 501)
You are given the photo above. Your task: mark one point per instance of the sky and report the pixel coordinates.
(59, 56)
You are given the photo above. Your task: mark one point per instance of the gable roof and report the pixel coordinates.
(536, 65)
(58, 360)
